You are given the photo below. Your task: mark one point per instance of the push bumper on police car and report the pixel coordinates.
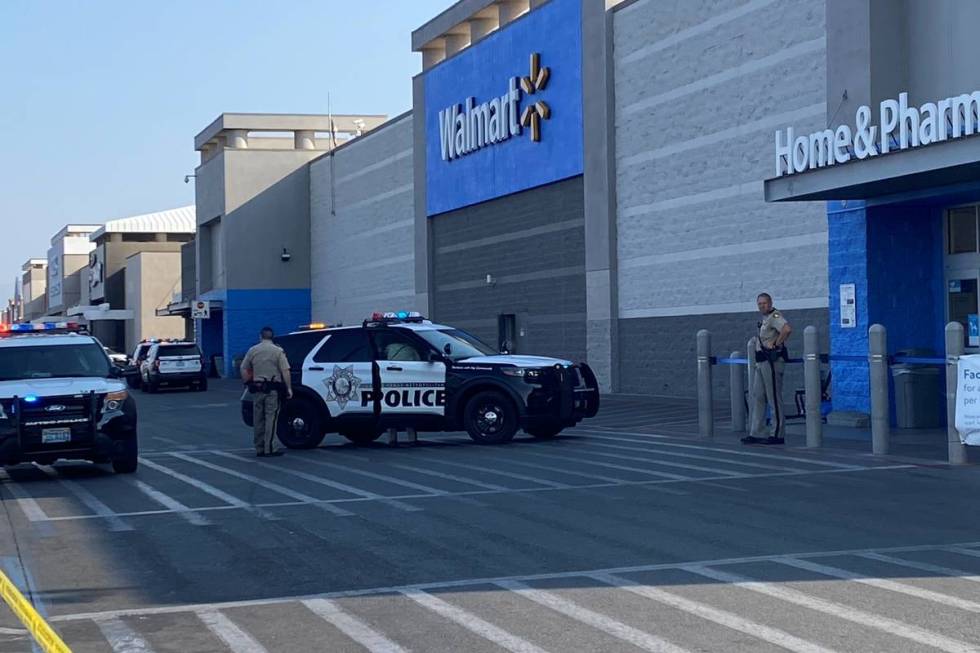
(561, 395)
(92, 426)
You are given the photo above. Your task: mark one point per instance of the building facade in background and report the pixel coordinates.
(68, 260)
(33, 289)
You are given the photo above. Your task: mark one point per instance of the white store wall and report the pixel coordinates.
(362, 213)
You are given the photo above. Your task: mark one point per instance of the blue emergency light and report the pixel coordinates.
(30, 399)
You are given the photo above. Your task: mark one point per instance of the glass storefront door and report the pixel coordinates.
(962, 269)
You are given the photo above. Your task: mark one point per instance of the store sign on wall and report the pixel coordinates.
(505, 114)
(968, 399)
(900, 127)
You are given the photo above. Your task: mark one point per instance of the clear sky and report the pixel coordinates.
(100, 100)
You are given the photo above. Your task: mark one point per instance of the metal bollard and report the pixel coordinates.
(706, 413)
(811, 376)
(954, 349)
(737, 383)
(750, 375)
(878, 364)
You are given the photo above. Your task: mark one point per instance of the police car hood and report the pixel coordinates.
(59, 387)
(516, 361)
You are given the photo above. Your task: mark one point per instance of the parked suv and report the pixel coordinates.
(137, 360)
(62, 398)
(400, 370)
(172, 364)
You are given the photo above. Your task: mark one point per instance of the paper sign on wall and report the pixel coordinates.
(968, 399)
(848, 306)
(973, 324)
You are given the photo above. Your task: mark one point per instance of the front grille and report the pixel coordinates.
(79, 413)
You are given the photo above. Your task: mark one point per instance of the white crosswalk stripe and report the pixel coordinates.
(922, 566)
(269, 485)
(228, 632)
(473, 623)
(663, 451)
(498, 472)
(207, 488)
(623, 468)
(450, 477)
(846, 612)
(94, 504)
(171, 503)
(890, 585)
(353, 627)
(617, 629)
(760, 631)
(121, 637)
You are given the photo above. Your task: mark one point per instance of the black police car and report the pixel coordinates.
(61, 398)
(400, 370)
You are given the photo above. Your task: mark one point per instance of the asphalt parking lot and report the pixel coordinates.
(619, 536)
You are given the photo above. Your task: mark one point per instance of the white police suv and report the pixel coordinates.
(61, 397)
(400, 370)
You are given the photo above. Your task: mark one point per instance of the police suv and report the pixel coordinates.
(61, 397)
(398, 370)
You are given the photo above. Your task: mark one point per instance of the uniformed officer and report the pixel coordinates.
(767, 378)
(266, 372)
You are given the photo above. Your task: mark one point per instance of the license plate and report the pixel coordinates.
(180, 363)
(54, 436)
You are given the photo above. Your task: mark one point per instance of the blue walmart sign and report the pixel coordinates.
(505, 115)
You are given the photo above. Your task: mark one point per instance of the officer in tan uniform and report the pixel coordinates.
(767, 376)
(265, 371)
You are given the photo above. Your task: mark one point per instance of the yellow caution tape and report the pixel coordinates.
(45, 636)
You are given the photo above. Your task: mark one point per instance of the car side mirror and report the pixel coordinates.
(434, 357)
(115, 372)
(448, 349)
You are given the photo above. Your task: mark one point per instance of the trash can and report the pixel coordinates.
(917, 391)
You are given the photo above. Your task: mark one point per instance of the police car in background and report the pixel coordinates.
(400, 370)
(61, 397)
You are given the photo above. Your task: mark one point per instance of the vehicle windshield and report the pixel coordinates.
(179, 350)
(57, 361)
(142, 351)
(462, 344)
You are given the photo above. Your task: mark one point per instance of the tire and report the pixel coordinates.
(545, 431)
(129, 460)
(362, 437)
(490, 418)
(310, 434)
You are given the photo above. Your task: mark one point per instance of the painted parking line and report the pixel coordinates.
(473, 623)
(672, 465)
(353, 627)
(638, 638)
(839, 610)
(207, 488)
(94, 504)
(959, 574)
(343, 487)
(497, 472)
(769, 634)
(434, 491)
(169, 502)
(663, 451)
(624, 468)
(269, 485)
(450, 477)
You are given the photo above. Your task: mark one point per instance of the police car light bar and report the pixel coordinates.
(38, 328)
(400, 315)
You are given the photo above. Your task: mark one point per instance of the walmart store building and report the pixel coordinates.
(599, 182)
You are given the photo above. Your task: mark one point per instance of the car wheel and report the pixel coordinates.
(365, 436)
(127, 462)
(300, 424)
(490, 418)
(545, 431)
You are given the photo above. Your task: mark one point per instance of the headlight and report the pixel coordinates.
(114, 400)
(529, 374)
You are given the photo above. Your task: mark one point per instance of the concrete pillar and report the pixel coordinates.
(737, 383)
(433, 53)
(706, 409)
(878, 364)
(511, 9)
(236, 139)
(954, 349)
(456, 42)
(304, 139)
(811, 376)
(480, 27)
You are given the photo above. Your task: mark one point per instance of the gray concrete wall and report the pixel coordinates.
(362, 227)
(701, 87)
(150, 280)
(267, 208)
(533, 245)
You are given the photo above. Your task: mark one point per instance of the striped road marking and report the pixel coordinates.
(228, 632)
(353, 627)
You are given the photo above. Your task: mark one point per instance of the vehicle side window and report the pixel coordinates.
(346, 346)
(297, 346)
(390, 345)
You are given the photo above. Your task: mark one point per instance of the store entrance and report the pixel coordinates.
(507, 333)
(962, 271)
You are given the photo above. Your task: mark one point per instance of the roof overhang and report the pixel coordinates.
(942, 164)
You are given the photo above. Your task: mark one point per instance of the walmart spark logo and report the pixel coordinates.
(536, 81)
(465, 130)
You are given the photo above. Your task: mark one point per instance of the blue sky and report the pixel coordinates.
(100, 101)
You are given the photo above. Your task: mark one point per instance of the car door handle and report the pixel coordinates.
(315, 369)
(392, 368)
